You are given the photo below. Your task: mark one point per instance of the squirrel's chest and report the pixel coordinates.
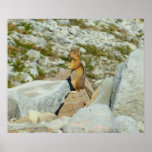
(78, 78)
(77, 74)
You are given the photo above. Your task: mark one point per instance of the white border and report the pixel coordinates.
(97, 9)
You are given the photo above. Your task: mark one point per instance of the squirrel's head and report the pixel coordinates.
(74, 53)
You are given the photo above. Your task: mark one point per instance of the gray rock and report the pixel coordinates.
(64, 22)
(33, 55)
(27, 127)
(42, 96)
(52, 22)
(82, 50)
(25, 77)
(116, 82)
(47, 117)
(105, 91)
(39, 41)
(61, 39)
(21, 28)
(32, 116)
(128, 91)
(31, 68)
(57, 124)
(59, 131)
(16, 126)
(10, 71)
(45, 62)
(11, 41)
(118, 55)
(54, 126)
(126, 124)
(13, 110)
(38, 28)
(95, 118)
(74, 30)
(90, 22)
(141, 126)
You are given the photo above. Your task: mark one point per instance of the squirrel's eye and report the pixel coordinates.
(74, 52)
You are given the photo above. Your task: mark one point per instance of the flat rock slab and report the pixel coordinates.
(73, 102)
(42, 96)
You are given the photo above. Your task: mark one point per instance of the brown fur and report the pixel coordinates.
(77, 71)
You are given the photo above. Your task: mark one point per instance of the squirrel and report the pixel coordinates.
(77, 76)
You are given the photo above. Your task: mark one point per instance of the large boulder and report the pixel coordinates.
(96, 118)
(128, 89)
(42, 96)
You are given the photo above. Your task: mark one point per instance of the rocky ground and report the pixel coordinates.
(38, 49)
(39, 97)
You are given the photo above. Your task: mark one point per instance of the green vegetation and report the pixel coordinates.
(45, 52)
(78, 22)
(22, 47)
(12, 28)
(89, 67)
(64, 58)
(124, 49)
(40, 72)
(88, 61)
(25, 45)
(112, 28)
(10, 85)
(34, 78)
(91, 75)
(25, 57)
(40, 20)
(62, 66)
(140, 34)
(81, 24)
(28, 28)
(91, 49)
(18, 66)
(141, 20)
(14, 51)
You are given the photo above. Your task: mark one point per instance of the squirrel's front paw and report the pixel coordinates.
(73, 92)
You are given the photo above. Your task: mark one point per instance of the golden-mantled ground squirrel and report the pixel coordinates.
(77, 76)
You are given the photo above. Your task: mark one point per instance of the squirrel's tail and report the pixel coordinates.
(89, 92)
